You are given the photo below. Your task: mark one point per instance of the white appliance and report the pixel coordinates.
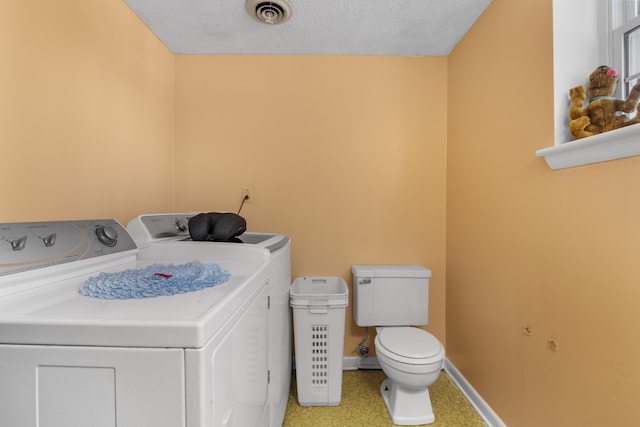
(394, 298)
(194, 359)
(159, 234)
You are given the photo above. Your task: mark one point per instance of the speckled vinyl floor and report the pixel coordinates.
(361, 405)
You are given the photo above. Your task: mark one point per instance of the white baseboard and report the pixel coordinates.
(485, 411)
(350, 363)
(354, 363)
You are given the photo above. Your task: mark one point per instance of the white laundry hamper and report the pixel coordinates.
(318, 323)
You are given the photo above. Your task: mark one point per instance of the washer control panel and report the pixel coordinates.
(30, 245)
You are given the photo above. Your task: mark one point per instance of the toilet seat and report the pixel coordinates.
(409, 345)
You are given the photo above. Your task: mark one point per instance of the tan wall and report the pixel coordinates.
(557, 250)
(86, 112)
(346, 155)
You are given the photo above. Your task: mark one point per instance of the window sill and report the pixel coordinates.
(615, 144)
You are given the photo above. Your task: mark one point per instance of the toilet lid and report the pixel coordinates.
(410, 343)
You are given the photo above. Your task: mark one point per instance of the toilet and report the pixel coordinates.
(394, 299)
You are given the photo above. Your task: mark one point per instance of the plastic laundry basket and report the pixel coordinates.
(318, 323)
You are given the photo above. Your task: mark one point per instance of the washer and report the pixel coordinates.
(159, 234)
(194, 359)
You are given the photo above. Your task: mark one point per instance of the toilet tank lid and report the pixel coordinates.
(416, 271)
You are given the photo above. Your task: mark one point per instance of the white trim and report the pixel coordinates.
(622, 54)
(350, 363)
(485, 411)
(369, 363)
(615, 144)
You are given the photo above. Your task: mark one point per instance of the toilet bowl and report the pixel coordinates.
(412, 360)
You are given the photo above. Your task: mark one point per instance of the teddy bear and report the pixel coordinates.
(603, 112)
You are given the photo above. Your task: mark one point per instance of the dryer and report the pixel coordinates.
(159, 234)
(195, 359)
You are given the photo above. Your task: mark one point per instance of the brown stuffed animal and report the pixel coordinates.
(602, 113)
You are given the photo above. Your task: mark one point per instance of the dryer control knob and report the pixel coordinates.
(181, 225)
(18, 244)
(49, 240)
(108, 236)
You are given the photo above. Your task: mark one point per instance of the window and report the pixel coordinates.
(593, 22)
(624, 30)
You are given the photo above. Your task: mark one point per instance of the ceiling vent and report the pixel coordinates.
(269, 12)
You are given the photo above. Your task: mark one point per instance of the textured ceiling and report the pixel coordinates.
(351, 27)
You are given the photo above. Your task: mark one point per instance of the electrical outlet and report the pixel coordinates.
(248, 193)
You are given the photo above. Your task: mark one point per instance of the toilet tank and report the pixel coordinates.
(390, 295)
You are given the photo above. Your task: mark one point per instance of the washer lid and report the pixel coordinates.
(409, 342)
(57, 314)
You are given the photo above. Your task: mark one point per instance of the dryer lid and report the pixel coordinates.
(409, 342)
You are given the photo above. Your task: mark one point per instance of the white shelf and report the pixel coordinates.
(615, 144)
